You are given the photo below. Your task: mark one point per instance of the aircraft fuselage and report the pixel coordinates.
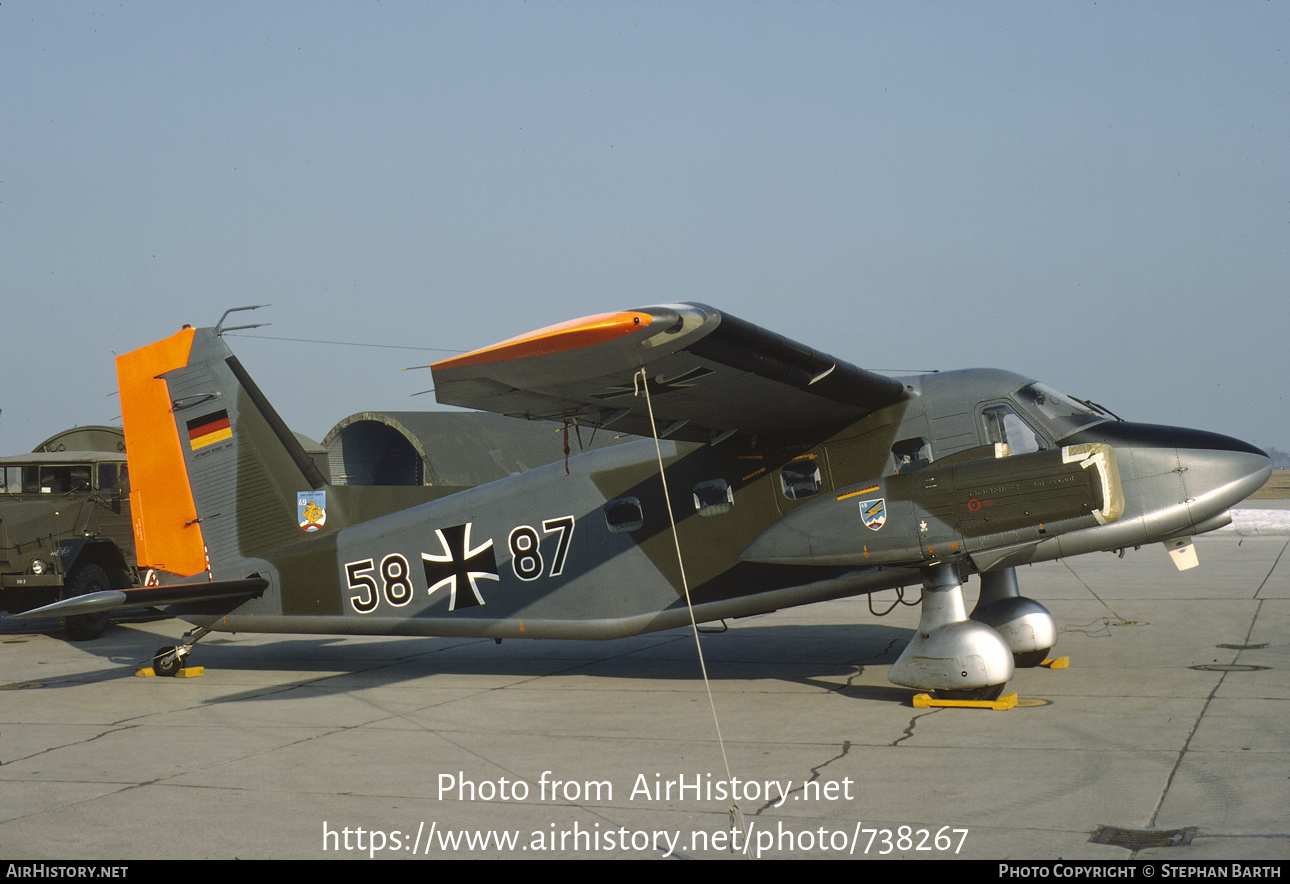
(762, 522)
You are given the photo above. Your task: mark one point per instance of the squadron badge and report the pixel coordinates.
(311, 509)
(874, 513)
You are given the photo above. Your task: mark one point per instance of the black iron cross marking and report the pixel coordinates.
(460, 566)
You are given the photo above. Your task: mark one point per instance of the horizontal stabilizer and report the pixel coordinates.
(149, 597)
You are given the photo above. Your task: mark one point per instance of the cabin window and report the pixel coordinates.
(68, 479)
(114, 478)
(713, 497)
(1003, 425)
(911, 454)
(800, 478)
(11, 480)
(624, 515)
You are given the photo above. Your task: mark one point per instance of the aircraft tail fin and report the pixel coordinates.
(195, 421)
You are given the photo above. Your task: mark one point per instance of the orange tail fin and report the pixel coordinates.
(166, 533)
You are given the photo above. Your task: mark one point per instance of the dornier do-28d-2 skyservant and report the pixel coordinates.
(792, 476)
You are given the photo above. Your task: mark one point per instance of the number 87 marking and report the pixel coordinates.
(526, 549)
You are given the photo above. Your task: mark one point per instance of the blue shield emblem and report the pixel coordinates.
(874, 513)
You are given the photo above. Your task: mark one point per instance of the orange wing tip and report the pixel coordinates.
(560, 338)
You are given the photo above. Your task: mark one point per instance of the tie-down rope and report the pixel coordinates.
(641, 382)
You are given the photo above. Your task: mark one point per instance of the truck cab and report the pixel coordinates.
(65, 530)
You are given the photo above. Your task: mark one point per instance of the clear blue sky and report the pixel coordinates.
(1094, 194)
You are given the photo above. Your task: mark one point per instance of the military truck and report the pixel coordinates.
(65, 530)
(65, 525)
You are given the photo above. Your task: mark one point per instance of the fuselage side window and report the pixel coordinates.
(713, 497)
(624, 515)
(800, 478)
(911, 454)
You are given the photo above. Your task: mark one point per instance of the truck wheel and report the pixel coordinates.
(85, 627)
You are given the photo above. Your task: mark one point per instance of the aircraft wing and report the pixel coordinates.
(708, 373)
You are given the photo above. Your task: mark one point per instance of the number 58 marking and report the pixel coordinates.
(526, 548)
(394, 574)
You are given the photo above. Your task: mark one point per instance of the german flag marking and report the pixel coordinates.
(208, 430)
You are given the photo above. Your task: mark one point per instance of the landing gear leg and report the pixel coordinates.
(1027, 626)
(950, 655)
(170, 659)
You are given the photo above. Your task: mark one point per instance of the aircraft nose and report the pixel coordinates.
(1164, 467)
(1219, 471)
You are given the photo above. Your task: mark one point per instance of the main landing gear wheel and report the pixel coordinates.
(988, 693)
(166, 662)
(1030, 659)
(1027, 626)
(950, 655)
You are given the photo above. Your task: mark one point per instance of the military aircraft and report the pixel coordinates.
(772, 475)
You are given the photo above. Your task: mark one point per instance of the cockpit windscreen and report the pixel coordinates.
(1059, 413)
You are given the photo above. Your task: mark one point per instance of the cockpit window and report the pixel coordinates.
(1003, 425)
(1060, 414)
